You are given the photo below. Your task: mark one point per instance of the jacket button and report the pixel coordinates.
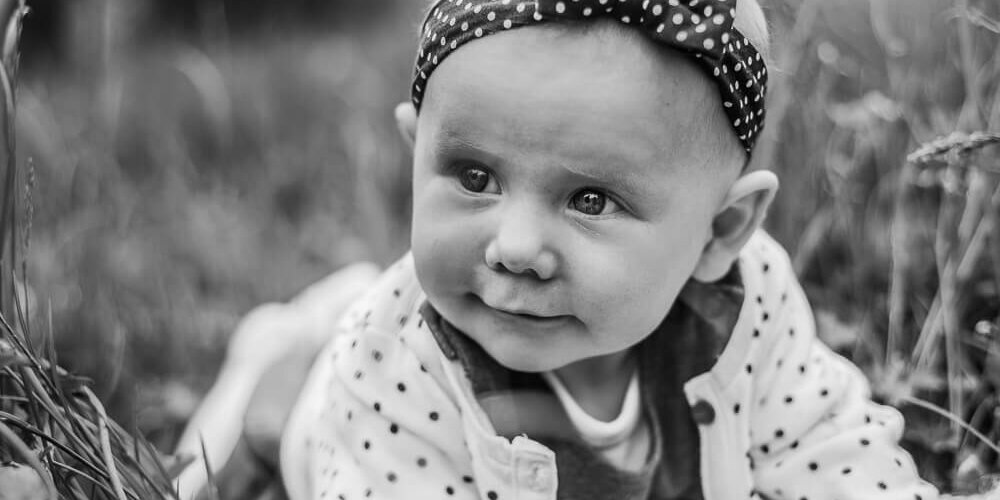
(535, 475)
(540, 479)
(703, 412)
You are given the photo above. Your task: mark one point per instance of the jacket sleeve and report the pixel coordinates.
(815, 432)
(372, 423)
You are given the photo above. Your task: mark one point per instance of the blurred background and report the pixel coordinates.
(188, 160)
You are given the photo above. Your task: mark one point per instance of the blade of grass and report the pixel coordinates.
(900, 258)
(159, 465)
(48, 438)
(969, 118)
(212, 488)
(946, 245)
(109, 458)
(12, 38)
(79, 473)
(927, 405)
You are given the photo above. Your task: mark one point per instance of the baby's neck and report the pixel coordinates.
(599, 384)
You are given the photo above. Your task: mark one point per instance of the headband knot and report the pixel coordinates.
(702, 29)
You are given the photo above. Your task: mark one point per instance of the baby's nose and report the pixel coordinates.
(521, 246)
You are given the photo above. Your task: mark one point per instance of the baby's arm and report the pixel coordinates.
(841, 446)
(816, 433)
(373, 421)
(272, 334)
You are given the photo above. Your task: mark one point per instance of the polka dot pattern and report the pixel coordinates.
(814, 432)
(375, 409)
(702, 29)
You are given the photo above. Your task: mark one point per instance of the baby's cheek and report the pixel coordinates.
(618, 307)
(436, 266)
(445, 253)
(636, 301)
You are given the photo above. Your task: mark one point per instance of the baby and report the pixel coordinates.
(590, 308)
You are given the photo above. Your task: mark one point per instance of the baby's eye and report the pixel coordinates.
(476, 179)
(591, 202)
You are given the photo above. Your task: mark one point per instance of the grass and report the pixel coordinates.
(181, 182)
(899, 252)
(167, 229)
(56, 440)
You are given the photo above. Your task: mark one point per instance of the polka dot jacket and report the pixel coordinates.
(385, 414)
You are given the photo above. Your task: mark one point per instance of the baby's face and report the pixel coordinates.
(562, 191)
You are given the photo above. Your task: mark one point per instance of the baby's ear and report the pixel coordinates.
(406, 120)
(742, 213)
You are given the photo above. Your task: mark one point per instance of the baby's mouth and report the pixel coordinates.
(521, 314)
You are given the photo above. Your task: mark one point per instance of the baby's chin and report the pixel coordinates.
(518, 351)
(528, 365)
(522, 358)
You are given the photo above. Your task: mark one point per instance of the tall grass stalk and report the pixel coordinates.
(50, 419)
(969, 187)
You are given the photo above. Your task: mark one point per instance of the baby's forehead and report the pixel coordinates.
(604, 42)
(611, 62)
(595, 89)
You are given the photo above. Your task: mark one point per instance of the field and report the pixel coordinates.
(179, 179)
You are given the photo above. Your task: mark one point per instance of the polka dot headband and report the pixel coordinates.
(700, 28)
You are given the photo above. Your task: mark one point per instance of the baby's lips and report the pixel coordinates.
(520, 310)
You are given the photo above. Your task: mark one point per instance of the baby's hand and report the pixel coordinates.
(20, 482)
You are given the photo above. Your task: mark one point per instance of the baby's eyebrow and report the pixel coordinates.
(451, 140)
(615, 175)
(604, 170)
